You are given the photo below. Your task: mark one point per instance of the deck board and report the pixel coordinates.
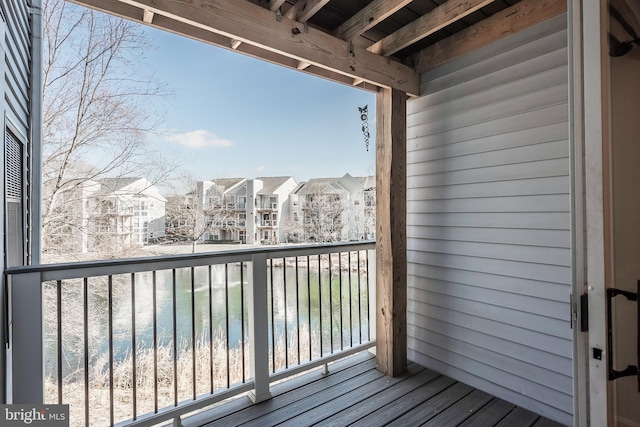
(491, 414)
(354, 393)
(385, 397)
(461, 410)
(432, 407)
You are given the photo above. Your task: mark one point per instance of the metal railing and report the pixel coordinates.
(143, 341)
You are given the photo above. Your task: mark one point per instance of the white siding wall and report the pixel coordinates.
(16, 46)
(488, 214)
(15, 108)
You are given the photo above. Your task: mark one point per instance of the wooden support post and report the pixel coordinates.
(258, 329)
(27, 357)
(391, 247)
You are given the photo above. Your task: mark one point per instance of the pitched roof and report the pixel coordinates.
(321, 185)
(227, 183)
(115, 184)
(272, 183)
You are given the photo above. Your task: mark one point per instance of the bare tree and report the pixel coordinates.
(200, 212)
(95, 107)
(322, 217)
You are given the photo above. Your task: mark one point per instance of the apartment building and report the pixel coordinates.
(236, 210)
(333, 209)
(109, 213)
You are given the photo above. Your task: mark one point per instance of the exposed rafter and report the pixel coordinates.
(257, 26)
(443, 15)
(375, 12)
(180, 28)
(305, 9)
(147, 16)
(512, 20)
(275, 5)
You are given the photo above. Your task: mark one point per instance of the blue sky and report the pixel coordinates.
(235, 116)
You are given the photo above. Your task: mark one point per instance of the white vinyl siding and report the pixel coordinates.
(16, 50)
(488, 221)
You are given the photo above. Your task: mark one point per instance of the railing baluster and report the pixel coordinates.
(193, 332)
(242, 332)
(134, 381)
(340, 286)
(226, 313)
(320, 302)
(284, 295)
(273, 321)
(330, 306)
(298, 308)
(110, 298)
(85, 304)
(309, 307)
(350, 303)
(210, 329)
(359, 300)
(175, 339)
(371, 334)
(155, 344)
(59, 334)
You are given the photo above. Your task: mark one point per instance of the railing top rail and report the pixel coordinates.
(133, 265)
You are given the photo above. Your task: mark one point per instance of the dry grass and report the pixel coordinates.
(73, 387)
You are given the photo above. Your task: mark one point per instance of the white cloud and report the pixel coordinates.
(261, 168)
(199, 139)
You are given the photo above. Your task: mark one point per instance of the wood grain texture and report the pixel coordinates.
(512, 20)
(368, 17)
(391, 249)
(305, 9)
(349, 396)
(440, 17)
(257, 26)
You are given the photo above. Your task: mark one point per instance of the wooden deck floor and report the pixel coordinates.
(354, 393)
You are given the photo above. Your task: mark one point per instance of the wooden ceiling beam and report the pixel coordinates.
(305, 9)
(505, 23)
(440, 17)
(132, 13)
(368, 17)
(254, 25)
(275, 5)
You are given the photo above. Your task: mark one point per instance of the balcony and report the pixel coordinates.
(352, 392)
(115, 212)
(144, 341)
(267, 206)
(268, 223)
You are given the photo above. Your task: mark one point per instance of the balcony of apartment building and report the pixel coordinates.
(471, 273)
(113, 208)
(266, 203)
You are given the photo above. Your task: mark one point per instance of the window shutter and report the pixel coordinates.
(14, 193)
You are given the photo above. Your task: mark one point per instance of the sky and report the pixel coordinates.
(235, 116)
